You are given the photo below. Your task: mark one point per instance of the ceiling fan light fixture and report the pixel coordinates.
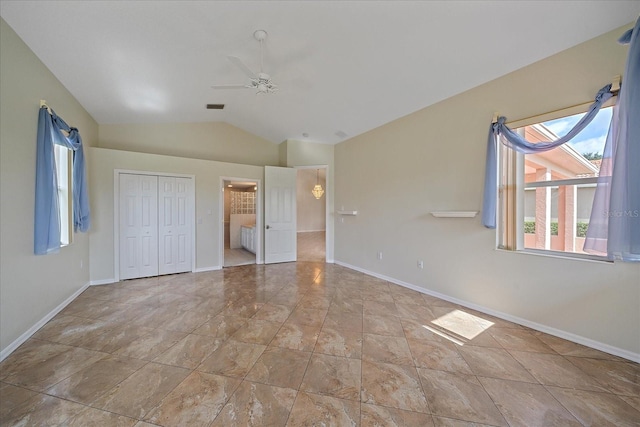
(260, 35)
(260, 81)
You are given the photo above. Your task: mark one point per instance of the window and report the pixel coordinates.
(63, 177)
(545, 199)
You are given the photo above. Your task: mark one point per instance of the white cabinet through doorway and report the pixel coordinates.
(156, 220)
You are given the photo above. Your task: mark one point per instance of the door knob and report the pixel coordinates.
(267, 227)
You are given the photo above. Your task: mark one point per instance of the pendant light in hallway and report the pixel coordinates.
(317, 189)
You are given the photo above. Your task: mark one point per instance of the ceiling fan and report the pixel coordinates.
(260, 81)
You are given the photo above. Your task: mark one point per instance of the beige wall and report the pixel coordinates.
(299, 153)
(311, 211)
(436, 156)
(208, 141)
(31, 286)
(282, 153)
(208, 201)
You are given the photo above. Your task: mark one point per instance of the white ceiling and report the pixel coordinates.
(345, 66)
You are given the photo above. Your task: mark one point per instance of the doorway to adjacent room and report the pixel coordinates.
(239, 222)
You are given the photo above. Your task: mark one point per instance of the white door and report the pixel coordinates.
(280, 214)
(174, 225)
(138, 226)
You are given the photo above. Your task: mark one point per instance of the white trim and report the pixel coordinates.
(116, 214)
(559, 182)
(571, 256)
(454, 214)
(626, 354)
(32, 330)
(102, 282)
(203, 269)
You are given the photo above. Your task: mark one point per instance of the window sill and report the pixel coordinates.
(559, 255)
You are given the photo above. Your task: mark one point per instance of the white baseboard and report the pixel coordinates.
(203, 269)
(32, 330)
(626, 354)
(102, 282)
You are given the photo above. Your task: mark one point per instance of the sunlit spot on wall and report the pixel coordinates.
(458, 326)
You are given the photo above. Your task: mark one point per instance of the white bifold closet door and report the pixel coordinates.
(138, 226)
(155, 225)
(174, 225)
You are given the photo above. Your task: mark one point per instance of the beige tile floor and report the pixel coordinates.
(301, 344)
(239, 256)
(310, 248)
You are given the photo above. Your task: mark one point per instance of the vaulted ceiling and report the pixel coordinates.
(342, 67)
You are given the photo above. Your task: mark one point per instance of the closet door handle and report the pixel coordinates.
(267, 227)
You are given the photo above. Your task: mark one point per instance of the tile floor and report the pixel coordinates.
(311, 246)
(239, 256)
(301, 344)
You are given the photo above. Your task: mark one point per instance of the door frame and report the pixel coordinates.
(328, 237)
(116, 213)
(259, 218)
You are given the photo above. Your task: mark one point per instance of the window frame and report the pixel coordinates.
(511, 189)
(63, 158)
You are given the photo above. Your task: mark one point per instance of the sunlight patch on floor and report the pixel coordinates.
(458, 326)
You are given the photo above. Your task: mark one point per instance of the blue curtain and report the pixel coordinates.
(47, 214)
(614, 227)
(518, 143)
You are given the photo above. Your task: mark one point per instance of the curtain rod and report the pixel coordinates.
(615, 89)
(43, 103)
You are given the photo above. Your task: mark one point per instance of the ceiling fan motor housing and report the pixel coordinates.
(260, 35)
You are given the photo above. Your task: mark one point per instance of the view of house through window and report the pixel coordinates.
(63, 177)
(552, 192)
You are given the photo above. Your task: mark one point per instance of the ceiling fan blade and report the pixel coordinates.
(229, 87)
(238, 63)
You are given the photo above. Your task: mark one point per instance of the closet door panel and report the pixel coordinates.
(166, 220)
(138, 226)
(183, 224)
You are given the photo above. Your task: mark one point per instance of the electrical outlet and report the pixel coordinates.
(379, 255)
(420, 264)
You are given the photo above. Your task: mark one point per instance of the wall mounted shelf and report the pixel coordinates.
(454, 214)
(347, 212)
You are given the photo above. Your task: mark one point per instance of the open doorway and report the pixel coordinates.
(311, 213)
(240, 215)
